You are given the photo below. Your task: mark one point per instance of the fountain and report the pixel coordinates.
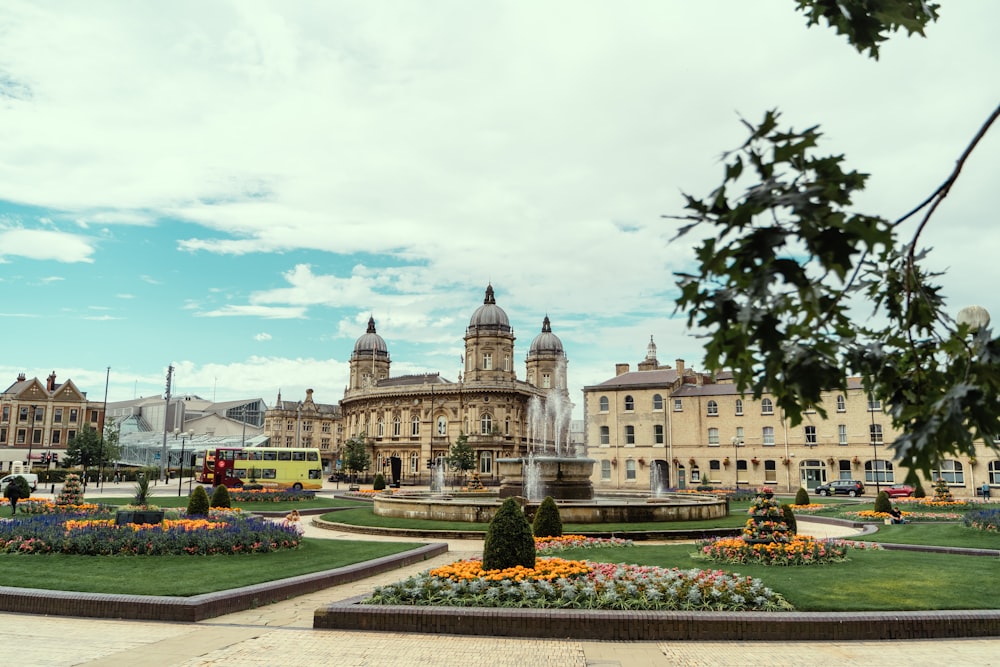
(550, 469)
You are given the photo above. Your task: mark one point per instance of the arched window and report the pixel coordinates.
(951, 472)
(486, 462)
(766, 406)
(603, 404)
(380, 428)
(629, 404)
(713, 409)
(414, 461)
(657, 402)
(442, 426)
(486, 423)
(739, 407)
(993, 473)
(841, 404)
(415, 426)
(506, 425)
(605, 435)
(397, 427)
(630, 470)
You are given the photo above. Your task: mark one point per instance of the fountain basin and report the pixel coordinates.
(668, 508)
(562, 477)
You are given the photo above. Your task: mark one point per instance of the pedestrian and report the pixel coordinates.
(985, 489)
(896, 515)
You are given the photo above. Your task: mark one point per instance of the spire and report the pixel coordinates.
(546, 325)
(489, 295)
(371, 324)
(651, 349)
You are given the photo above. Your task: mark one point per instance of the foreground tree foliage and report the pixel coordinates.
(508, 541)
(788, 265)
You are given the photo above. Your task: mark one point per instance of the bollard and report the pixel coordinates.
(53, 491)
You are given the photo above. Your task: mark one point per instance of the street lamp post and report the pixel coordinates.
(180, 473)
(31, 433)
(736, 460)
(871, 409)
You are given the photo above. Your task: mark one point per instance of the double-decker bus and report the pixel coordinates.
(273, 467)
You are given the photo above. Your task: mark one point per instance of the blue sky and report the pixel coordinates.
(234, 187)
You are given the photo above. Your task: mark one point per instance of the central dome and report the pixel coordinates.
(489, 315)
(371, 343)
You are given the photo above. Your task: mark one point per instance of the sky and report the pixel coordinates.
(233, 188)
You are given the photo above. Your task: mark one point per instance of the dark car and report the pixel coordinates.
(899, 490)
(844, 487)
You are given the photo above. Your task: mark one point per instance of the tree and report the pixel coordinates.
(788, 262)
(16, 489)
(356, 458)
(85, 449)
(110, 449)
(462, 456)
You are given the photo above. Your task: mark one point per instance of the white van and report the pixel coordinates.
(31, 477)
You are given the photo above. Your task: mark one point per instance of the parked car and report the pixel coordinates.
(844, 487)
(899, 490)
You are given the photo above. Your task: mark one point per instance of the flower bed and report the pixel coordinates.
(551, 544)
(871, 515)
(800, 550)
(555, 583)
(269, 495)
(988, 520)
(219, 533)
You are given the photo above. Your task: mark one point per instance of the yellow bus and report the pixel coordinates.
(271, 467)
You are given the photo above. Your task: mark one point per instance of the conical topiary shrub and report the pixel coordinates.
(942, 493)
(788, 516)
(801, 496)
(508, 542)
(220, 497)
(72, 491)
(918, 490)
(882, 503)
(378, 484)
(547, 522)
(198, 502)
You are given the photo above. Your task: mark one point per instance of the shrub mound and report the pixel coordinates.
(198, 504)
(220, 497)
(548, 522)
(508, 542)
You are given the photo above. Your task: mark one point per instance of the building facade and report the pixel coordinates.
(671, 427)
(38, 419)
(417, 418)
(306, 423)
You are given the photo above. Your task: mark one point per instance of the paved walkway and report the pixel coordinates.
(282, 634)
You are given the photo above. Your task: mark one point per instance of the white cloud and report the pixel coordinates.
(262, 337)
(39, 244)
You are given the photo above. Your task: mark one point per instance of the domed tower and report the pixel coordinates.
(546, 365)
(489, 343)
(370, 359)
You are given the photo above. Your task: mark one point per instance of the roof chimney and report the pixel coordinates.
(50, 383)
(680, 366)
(20, 377)
(621, 369)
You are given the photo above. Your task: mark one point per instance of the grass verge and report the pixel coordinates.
(185, 575)
(869, 581)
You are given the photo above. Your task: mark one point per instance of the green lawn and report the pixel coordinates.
(185, 575)
(869, 581)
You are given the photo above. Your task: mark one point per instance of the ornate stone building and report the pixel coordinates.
(38, 419)
(306, 424)
(417, 418)
(675, 427)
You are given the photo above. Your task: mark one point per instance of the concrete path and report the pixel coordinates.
(282, 634)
